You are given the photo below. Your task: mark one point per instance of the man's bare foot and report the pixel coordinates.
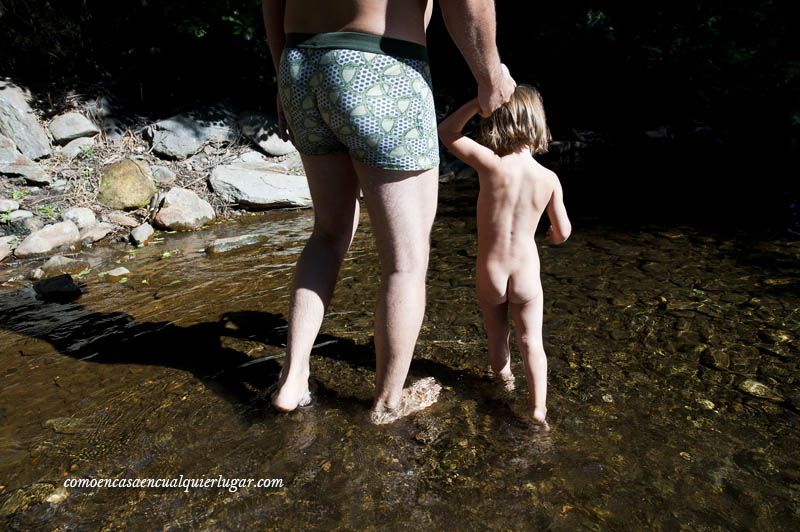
(290, 394)
(416, 397)
(539, 417)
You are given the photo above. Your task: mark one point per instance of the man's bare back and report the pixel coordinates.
(398, 19)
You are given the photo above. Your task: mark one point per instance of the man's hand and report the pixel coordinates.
(283, 127)
(496, 91)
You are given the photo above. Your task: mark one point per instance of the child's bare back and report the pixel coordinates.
(515, 191)
(512, 198)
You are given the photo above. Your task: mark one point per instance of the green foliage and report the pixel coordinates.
(46, 211)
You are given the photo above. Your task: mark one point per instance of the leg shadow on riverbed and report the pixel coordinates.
(237, 356)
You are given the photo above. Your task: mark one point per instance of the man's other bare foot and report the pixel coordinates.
(539, 416)
(290, 394)
(416, 397)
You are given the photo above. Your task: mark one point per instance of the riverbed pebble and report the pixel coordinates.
(48, 238)
(142, 234)
(80, 216)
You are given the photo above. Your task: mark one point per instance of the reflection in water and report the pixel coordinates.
(655, 338)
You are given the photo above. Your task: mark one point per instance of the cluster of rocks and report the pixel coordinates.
(251, 180)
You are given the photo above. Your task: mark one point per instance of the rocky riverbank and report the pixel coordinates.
(83, 177)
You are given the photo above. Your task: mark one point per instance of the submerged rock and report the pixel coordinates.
(70, 126)
(60, 289)
(126, 184)
(48, 238)
(224, 245)
(183, 210)
(58, 265)
(117, 273)
(760, 390)
(256, 185)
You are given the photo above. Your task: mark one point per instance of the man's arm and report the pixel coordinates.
(472, 25)
(476, 155)
(560, 227)
(273, 11)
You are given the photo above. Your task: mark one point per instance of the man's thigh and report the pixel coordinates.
(402, 206)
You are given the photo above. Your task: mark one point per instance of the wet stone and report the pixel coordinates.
(224, 245)
(22, 498)
(760, 390)
(715, 358)
(58, 265)
(60, 289)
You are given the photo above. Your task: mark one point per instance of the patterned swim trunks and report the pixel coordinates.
(363, 94)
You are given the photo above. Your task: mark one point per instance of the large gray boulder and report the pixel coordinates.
(47, 239)
(257, 186)
(262, 130)
(19, 123)
(183, 210)
(126, 184)
(14, 163)
(70, 126)
(185, 134)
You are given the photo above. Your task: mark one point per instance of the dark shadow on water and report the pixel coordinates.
(199, 349)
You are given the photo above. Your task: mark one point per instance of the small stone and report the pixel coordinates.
(31, 224)
(48, 238)
(142, 234)
(608, 398)
(61, 289)
(163, 175)
(184, 210)
(715, 358)
(19, 215)
(58, 496)
(252, 157)
(686, 456)
(96, 232)
(70, 126)
(762, 391)
(120, 218)
(36, 274)
(80, 216)
(705, 403)
(58, 265)
(7, 205)
(117, 273)
(77, 147)
(224, 245)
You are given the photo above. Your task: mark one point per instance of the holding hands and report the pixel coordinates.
(496, 90)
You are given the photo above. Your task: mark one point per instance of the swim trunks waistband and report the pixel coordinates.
(363, 42)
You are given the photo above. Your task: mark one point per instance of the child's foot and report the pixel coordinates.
(539, 417)
(291, 393)
(416, 397)
(504, 378)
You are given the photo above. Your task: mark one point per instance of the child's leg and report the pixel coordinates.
(528, 321)
(495, 316)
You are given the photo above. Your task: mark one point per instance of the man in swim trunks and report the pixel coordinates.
(354, 91)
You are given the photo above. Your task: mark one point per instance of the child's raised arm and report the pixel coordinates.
(450, 131)
(560, 226)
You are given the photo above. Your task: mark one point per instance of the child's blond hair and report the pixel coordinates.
(520, 123)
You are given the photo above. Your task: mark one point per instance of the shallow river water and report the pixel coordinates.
(673, 357)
